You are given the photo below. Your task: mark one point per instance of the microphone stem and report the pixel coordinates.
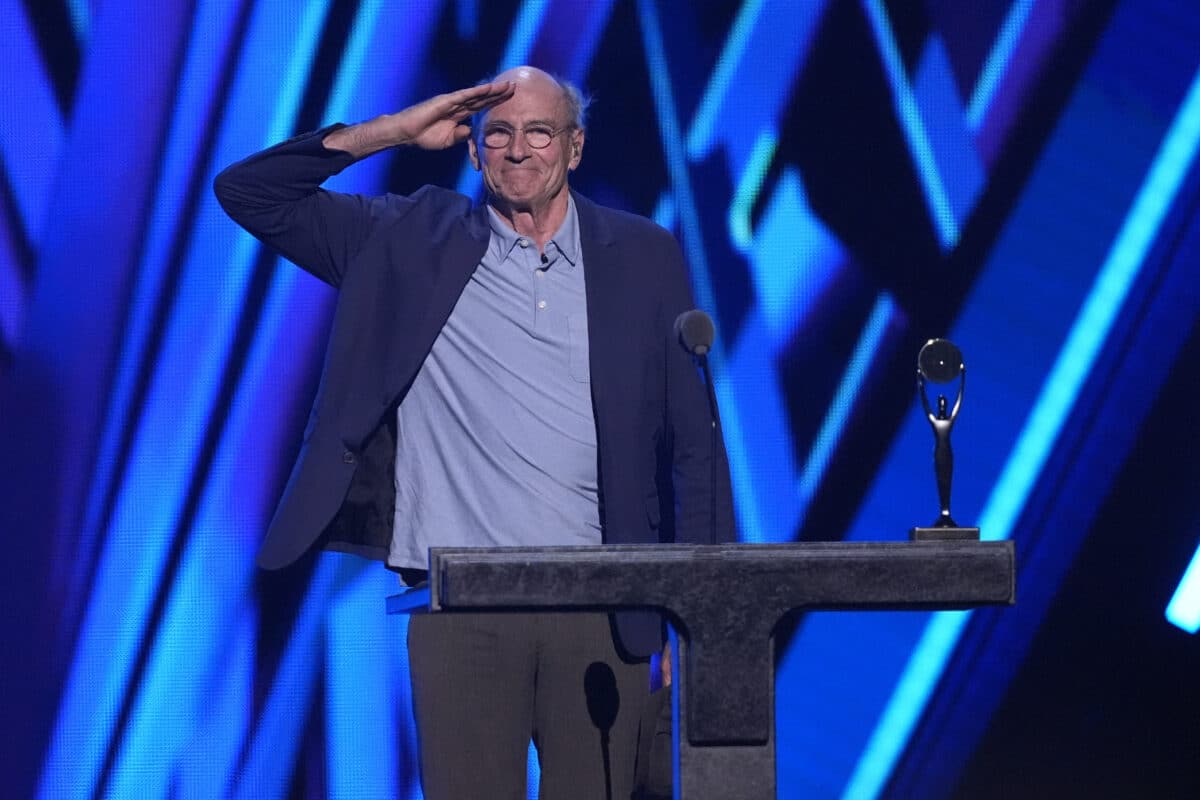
(712, 451)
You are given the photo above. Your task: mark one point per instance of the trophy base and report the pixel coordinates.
(944, 534)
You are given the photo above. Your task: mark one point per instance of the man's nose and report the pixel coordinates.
(518, 148)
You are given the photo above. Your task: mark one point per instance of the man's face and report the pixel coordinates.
(521, 177)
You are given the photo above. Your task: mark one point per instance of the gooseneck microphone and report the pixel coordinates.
(695, 331)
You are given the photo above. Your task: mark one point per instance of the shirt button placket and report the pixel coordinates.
(539, 286)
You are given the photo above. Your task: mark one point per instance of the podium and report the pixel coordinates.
(724, 601)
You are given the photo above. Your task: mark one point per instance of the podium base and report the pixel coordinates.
(935, 534)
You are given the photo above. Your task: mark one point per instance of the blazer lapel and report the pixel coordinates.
(453, 262)
(457, 260)
(603, 282)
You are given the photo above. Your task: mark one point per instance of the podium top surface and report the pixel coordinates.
(863, 575)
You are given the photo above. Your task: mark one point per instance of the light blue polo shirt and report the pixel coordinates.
(496, 439)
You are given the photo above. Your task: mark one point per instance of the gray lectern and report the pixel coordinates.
(725, 601)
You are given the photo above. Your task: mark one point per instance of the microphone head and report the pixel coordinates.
(695, 331)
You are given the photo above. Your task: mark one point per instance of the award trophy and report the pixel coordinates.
(940, 361)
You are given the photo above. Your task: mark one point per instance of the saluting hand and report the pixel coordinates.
(434, 124)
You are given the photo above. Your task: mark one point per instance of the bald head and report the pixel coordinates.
(574, 105)
(526, 74)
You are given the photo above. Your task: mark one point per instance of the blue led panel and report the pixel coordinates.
(155, 362)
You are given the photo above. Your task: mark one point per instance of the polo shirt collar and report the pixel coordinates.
(565, 240)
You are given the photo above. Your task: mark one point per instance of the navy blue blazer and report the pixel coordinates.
(399, 264)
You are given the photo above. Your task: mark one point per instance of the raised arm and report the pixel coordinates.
(276, 194)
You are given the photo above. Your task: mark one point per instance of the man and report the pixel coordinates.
(496, 375)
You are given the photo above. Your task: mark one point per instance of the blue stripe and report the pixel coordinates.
(753, 77)
(665, 214)
(361, 737)
(524, 33)
(270, 759)
(746, 192)
(81, 19)
(843, 400)
(1184, 608)
(467, 19)
(909, 115)
(673, 149)
(349, 73)
(589, 30)
(30, 161)
(203, 768)
(997, 61)
(704, 125)
(13, 287)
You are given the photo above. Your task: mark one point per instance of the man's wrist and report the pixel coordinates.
(361, 140)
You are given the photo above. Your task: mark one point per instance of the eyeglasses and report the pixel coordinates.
(536, 136)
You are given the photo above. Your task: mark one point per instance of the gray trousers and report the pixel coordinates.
(484, 685)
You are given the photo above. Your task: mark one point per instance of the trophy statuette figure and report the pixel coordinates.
(940, 362)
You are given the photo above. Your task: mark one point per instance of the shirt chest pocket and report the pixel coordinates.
(578, 346)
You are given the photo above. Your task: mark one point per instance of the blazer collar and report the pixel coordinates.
(592, 224)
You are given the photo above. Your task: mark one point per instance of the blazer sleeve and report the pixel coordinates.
(699, 472)
(276, 196)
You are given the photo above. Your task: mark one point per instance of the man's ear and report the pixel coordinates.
(576, 149)
(473, 153)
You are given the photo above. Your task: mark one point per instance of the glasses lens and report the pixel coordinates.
(538, 137)
(497, 137)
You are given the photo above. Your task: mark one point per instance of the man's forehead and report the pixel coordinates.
(535, 100)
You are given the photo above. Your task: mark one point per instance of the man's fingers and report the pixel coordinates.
(489, 92)
(477, 98)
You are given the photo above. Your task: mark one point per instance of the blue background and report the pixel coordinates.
(848, 179)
